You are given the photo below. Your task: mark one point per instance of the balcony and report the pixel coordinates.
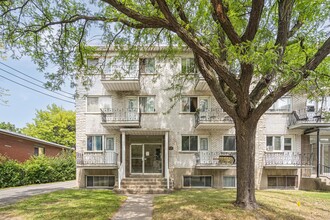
(120, 118)
(216, 160)
(302, 119)
(201, 84)
(213, 118)
(287, 160)
(96, 159)
(122, 78)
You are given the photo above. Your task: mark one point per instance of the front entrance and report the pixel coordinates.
(146, 158)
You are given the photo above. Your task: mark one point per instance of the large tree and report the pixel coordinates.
(9, 126)
(55, 125)
(250, 52)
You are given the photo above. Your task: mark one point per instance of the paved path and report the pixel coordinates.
(137, 207)
(11, 195)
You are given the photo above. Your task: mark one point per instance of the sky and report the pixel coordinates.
(23, 102)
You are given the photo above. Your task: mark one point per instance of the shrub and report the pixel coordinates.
(40, 169)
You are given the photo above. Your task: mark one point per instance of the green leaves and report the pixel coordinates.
(54, 124)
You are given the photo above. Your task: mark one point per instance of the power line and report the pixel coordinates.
(36, 90)
(30, 76)
(35, 84)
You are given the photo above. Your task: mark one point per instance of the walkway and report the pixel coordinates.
(13, 194)
(137, 207)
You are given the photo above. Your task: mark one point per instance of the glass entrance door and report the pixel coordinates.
(325, 158)
(137, 158)
(146, 158)
(153, 158)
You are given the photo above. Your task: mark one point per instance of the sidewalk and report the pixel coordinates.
(13, 194)
(137, 207)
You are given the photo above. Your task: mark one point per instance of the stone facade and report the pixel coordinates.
(168, 117)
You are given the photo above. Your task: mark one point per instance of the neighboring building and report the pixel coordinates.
(127, 128)
(21, 147)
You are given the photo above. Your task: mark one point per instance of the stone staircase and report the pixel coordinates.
(143, 185)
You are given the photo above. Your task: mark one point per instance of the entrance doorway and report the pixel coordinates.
(146, 158)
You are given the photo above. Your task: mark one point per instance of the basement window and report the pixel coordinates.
(282, 182)
(197, 181)
(100, 181)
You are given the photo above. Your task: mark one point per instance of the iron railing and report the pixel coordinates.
(288, 159)
(216, 158)
(96, 158)
(302, 116)
(120, 115)
(122, 72)
(325, 171)
(212, 115)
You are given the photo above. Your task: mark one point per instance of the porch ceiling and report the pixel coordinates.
(142, 131)
(309, 125)
(286, 167)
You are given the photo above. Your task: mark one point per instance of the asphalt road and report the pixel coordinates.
(14, 194)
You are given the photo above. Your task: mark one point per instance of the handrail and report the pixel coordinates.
(288, 159)
(94, 158)
(212, 115)
(109, 115)
(120, 174)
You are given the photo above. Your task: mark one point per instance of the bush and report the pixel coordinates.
(39, 169)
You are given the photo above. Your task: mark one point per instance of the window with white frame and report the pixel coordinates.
(147, 65)
(94, 104)
(229, 181)
(109, 143)
(94, 143)
(192, 103)
(229, 143)
(145, 104)
(279, 143)
(189, 143)
(282, 105)
(197, 181)
(100, 181)
(203, 144)
(188, 66)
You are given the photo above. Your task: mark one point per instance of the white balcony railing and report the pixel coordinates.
(96, 158)
(216, 158)
(288, 159)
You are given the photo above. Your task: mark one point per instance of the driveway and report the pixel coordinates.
(11, 195)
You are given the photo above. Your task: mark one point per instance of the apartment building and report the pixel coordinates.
(131, 131)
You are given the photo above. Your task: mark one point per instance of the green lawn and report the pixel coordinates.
(66, 204)
(218, 204)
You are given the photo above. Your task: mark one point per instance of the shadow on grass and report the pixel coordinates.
(69, 204)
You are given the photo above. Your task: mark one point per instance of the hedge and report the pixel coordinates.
(38, 169)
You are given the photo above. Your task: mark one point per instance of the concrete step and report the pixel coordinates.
(143, 187)
(143, 191)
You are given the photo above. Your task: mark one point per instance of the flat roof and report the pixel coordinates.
(29, 138)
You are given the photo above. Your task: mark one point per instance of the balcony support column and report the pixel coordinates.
(167, 176)
(318, 152)
(123, 153)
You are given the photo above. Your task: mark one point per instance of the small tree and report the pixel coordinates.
(54, 124)
(249, 52)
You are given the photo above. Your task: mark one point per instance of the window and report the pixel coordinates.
(39, 151)
(100, 181)
(229, 143)
(188, 104)
(92, 62)
(281, 105)
(146, 104)
(280, 182)
(94, 143)
(109, 144)
(203, 144)
(197, 181)
(94, 104)
(229, 182)
(278, 143)
(203, 104)
(188, 65)
(147, 65)
(189, 143)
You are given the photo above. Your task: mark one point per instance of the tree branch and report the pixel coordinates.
(224, 21)
(284, 12)
(295, 28)
(254, 20)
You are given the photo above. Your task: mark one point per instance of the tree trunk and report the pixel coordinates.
(245, 146)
